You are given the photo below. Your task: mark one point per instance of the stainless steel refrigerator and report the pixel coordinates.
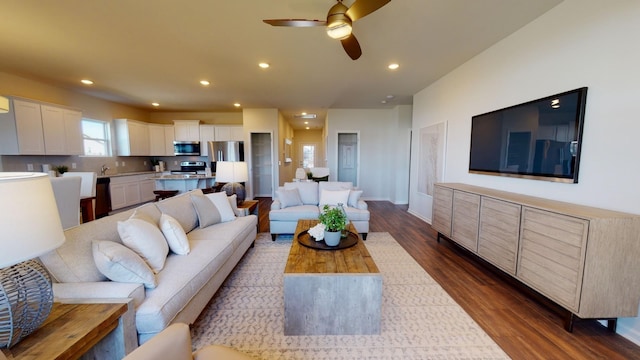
(225, 151)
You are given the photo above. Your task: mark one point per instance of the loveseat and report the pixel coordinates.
(305, 199)
(203, 241)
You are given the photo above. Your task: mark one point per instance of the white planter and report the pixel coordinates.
(332, 238)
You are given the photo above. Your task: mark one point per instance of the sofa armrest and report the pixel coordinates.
(275, 205)
(98, 290)
(362, 205)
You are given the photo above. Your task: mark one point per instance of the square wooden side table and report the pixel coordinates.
(251, 207)
(70, 331)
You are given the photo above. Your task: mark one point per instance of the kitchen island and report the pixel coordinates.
(183, 183)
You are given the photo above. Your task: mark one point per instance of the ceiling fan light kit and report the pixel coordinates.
(339, 22)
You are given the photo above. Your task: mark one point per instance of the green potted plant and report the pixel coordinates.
(335, 221)
(61, 169)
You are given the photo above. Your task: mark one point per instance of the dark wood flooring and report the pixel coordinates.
(525, 325)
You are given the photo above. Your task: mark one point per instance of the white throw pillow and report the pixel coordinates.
(174, 234)
(333, 197)
(146, 240)
(221, 202)
(121, 264)
(289, 198)
(207, 212)
(354, 197)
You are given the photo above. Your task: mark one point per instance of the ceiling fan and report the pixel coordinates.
(339, 22)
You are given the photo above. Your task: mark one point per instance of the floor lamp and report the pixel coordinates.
(233, 173)
(30, 226)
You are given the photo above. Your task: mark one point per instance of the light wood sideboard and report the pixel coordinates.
(585, 259)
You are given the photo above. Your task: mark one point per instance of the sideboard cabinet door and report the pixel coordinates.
(442, 210)
(466, 214)
(499, 233)
(552, 255)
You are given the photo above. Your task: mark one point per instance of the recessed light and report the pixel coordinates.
(304, 113)
(155, 104)
(390, 97)
(307, 128)
(306, 123)
(86, 82)
(204, 83)
(236, 104)
(383, 101)
(393, 66)
(263, 65)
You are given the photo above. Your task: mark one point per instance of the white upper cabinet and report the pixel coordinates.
(207, 133)
(62, 131)
(186, 130)
(229, 133)
(35, 128)
(160, 140)
(132, 137)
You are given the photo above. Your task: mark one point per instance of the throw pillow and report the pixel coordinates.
(289, 198)
(354, 197)
(208, 214)
(145, 240)
(118, 263)
(329, 197)
(175, 235)
(308, 191)
(221, 203)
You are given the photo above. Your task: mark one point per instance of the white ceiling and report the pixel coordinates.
(141, 51)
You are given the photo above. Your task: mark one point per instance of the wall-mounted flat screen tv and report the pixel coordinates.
(540, 139)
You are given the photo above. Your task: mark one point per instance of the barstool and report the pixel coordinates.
(163, 194)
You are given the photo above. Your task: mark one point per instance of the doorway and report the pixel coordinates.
(261, 165)
(348, 157)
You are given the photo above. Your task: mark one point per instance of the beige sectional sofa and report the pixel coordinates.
(179, 291)
(305, 199)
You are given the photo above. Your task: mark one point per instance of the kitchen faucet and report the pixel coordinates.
(103, 169)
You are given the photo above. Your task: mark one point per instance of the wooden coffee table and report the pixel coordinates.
(331, 292)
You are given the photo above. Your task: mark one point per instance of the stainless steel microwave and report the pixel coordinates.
(186, 148)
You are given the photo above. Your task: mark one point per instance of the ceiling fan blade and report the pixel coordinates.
(362, 8)
(295, 22)
(352, 47)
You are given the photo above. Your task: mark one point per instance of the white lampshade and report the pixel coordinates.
(29, 217)
(4, 104)
(231, 171)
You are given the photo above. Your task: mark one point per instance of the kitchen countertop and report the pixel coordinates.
(127, 174)
(181, 177)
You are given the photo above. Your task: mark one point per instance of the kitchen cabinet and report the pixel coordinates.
(580, 257)
(132, 137)
(62, 130)
(186, 130)
(207, 133)
(129, 190)
(160, 140)
(229, 133)
(36, 128)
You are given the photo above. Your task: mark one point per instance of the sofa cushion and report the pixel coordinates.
(207, 212)
(308, 191)
(333, 197)
(289, 198)
(146, 240)
(221, 201)
(121, 264)
(181, 208)
(354, 197)
(174, 234)
(295, 213)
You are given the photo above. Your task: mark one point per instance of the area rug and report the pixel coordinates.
(419, 319)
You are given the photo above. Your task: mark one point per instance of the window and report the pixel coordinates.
(95, 135)
(308, 156)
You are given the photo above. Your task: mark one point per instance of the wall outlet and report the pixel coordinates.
(123, 163)
(175, 163)
(144, 163)
(117, 164)
(29, 167)
(73, 165)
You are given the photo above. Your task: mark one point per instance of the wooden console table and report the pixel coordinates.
(70, 331)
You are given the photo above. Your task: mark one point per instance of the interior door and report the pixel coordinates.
(261, 164)
(348, 157)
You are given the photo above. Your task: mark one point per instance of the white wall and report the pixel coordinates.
(578, 43)
(383, 160)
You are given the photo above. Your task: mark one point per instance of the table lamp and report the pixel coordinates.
(30, 226)
(232, 173)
